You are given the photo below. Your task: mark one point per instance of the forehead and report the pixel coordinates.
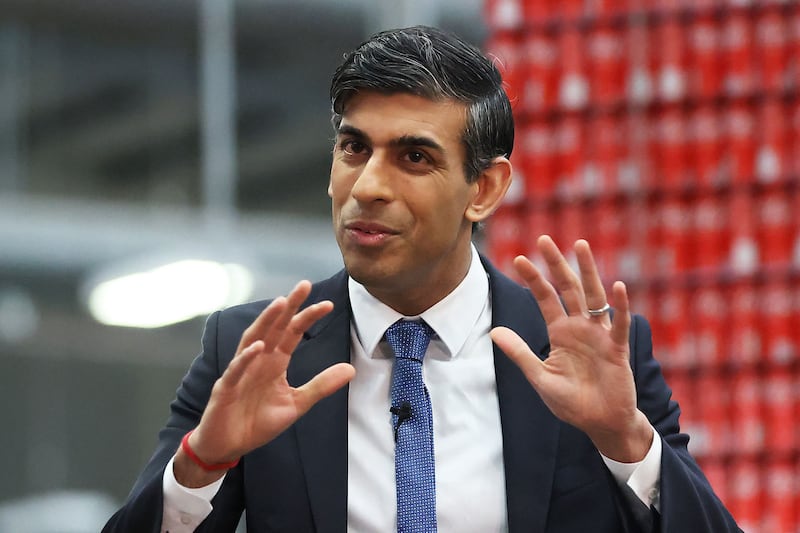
(391, 116)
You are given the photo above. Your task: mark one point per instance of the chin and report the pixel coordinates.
(368, 272)
(363, 271)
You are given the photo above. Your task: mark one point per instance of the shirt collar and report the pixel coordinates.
(371, 317)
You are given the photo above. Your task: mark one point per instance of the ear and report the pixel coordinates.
(490, 189)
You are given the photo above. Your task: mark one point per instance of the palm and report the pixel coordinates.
(579, 386)
(269, 407)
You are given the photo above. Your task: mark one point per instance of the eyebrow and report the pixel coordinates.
(402, 141)
(345, 129)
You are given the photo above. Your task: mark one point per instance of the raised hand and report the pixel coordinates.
(252, 403)
(586, 379)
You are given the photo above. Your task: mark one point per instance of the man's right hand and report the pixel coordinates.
(252, 403)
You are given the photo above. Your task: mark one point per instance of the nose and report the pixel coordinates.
(373, 181)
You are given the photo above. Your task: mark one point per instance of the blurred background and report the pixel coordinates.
(667, 133)
(177, 151)
(151, 152)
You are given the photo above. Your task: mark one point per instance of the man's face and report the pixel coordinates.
(400, 197)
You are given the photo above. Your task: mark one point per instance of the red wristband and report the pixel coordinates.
(199, 462)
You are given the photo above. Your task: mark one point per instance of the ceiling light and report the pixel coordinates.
(169, 294)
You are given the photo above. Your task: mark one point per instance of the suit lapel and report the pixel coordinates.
(530, 431)
(322, 432)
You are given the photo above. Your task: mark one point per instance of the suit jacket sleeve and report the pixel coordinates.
(687, 501)
(143, 507)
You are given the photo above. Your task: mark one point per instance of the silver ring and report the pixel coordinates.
(600, 312)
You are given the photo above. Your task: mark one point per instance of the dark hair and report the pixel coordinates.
(434, 64)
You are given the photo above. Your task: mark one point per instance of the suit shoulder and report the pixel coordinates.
(321, 290)
(246, 311)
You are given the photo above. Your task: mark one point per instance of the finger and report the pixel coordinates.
(594, 292)
(239, 365)
(322, 385)
(518, 351)
(300, 323)
(299, 294)
(545, 294)
(564, 278)
(258, 329)
(273, 335)
(621, 325)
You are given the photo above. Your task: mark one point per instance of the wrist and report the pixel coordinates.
(192, 469)
(191, 476)
(629, 446)
(208, 466)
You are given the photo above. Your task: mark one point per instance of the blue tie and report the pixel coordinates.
(412, 419)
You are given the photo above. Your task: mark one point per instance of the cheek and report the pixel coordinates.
(453, 206)
(337, 187)
(444, 215)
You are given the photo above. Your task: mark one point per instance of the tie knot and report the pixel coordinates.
(409, 338)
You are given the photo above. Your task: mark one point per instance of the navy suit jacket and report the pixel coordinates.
(556, 481)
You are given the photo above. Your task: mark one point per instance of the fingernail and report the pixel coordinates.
(252, 348)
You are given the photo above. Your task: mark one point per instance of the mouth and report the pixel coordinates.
(368, 233)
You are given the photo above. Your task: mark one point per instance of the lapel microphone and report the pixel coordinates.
(403, 413)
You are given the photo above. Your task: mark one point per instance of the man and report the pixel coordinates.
(547, 413)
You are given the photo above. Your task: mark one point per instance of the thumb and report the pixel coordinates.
(518, 351)
(323, 384)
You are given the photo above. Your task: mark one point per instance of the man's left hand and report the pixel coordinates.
(586, 379)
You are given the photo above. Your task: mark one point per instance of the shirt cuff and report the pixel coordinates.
(185, 508)
(642, 477)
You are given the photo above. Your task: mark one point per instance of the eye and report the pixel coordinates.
(353, 147)
(416, 156)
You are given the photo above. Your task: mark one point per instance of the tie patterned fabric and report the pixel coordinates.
(413, 461)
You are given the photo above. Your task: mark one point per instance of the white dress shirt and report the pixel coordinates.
(458, 370)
